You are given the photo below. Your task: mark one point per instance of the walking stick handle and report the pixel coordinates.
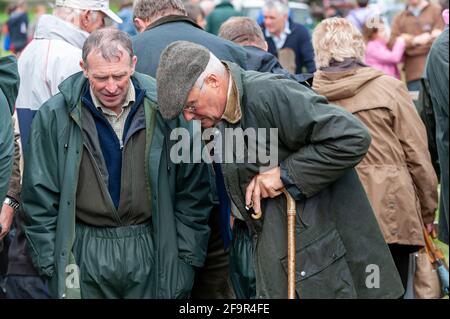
(291, 214)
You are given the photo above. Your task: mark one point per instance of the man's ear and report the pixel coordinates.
(140, 24)
(84, 18)
(212, 80)
(133, 63)
(84, 68)
(266, 46)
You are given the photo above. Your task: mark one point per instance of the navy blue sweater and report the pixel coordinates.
(109, 142)
(300, 42)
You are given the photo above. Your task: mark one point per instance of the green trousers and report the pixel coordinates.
(115, 262)
(242, 272)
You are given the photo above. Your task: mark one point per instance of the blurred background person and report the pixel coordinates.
(126, 14)
(378, 55)
(39, 10)
(5, 33)
(423, 21)
(331, 12)
(359, 15)
(287, 40)
(437, 75)
(195, 12)
(246, 32)
(207, 6)
(18, 27)
(219, 15)
(397, 173)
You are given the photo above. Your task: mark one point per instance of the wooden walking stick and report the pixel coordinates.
(291, 213)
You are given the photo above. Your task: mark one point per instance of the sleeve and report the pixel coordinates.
(61, 68)
(14, 184)
(41, 192)
(411, 132)
(307, 51)
(324, 140)
(383, 54)
(6, 146)
(194, 203)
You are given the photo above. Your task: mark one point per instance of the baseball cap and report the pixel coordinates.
(98, 5)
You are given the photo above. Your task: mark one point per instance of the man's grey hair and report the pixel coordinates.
(71, 14)
(282, 7)
(152, 9)
(111, 43)
(243, 31)
(214, 66)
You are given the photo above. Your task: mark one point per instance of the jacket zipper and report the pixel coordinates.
(104, 190)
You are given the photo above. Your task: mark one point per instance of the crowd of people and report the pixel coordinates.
(98, 206)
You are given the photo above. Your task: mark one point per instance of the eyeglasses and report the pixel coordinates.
(192, 107)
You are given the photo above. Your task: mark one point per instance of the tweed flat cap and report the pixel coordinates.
(180, 65)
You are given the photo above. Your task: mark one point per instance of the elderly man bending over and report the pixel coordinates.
(316, 146)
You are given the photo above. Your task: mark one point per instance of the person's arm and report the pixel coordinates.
(412, 135)
(384, 55)
(421, 44)
(41, 191)
(9, 86)
(6, 146)
(7, 212)
(324, 140)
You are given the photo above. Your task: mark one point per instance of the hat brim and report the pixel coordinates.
(112, 15)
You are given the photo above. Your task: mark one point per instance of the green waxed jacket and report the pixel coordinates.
(179, 195)
(9, 86)
(338, 240)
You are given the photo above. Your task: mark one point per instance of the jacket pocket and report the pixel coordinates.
(321, 269)
(185, 280)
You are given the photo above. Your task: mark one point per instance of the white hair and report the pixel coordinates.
(281, 6)
(214, 66)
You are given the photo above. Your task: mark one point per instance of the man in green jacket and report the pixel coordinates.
(436, 73)
(219, 15)
(9, 85)
(312, 149)
(109, 214)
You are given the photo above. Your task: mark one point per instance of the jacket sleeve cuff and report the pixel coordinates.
(289, 183)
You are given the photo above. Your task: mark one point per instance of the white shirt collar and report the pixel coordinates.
(279, 41)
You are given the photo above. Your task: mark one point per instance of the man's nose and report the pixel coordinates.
(111, 86)
(188, 116)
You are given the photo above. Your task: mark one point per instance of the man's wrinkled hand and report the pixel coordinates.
(267, 184)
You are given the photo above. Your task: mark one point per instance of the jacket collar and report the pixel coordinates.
(236, 74)
(51, 27)
(232, 113)
(172, 18)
